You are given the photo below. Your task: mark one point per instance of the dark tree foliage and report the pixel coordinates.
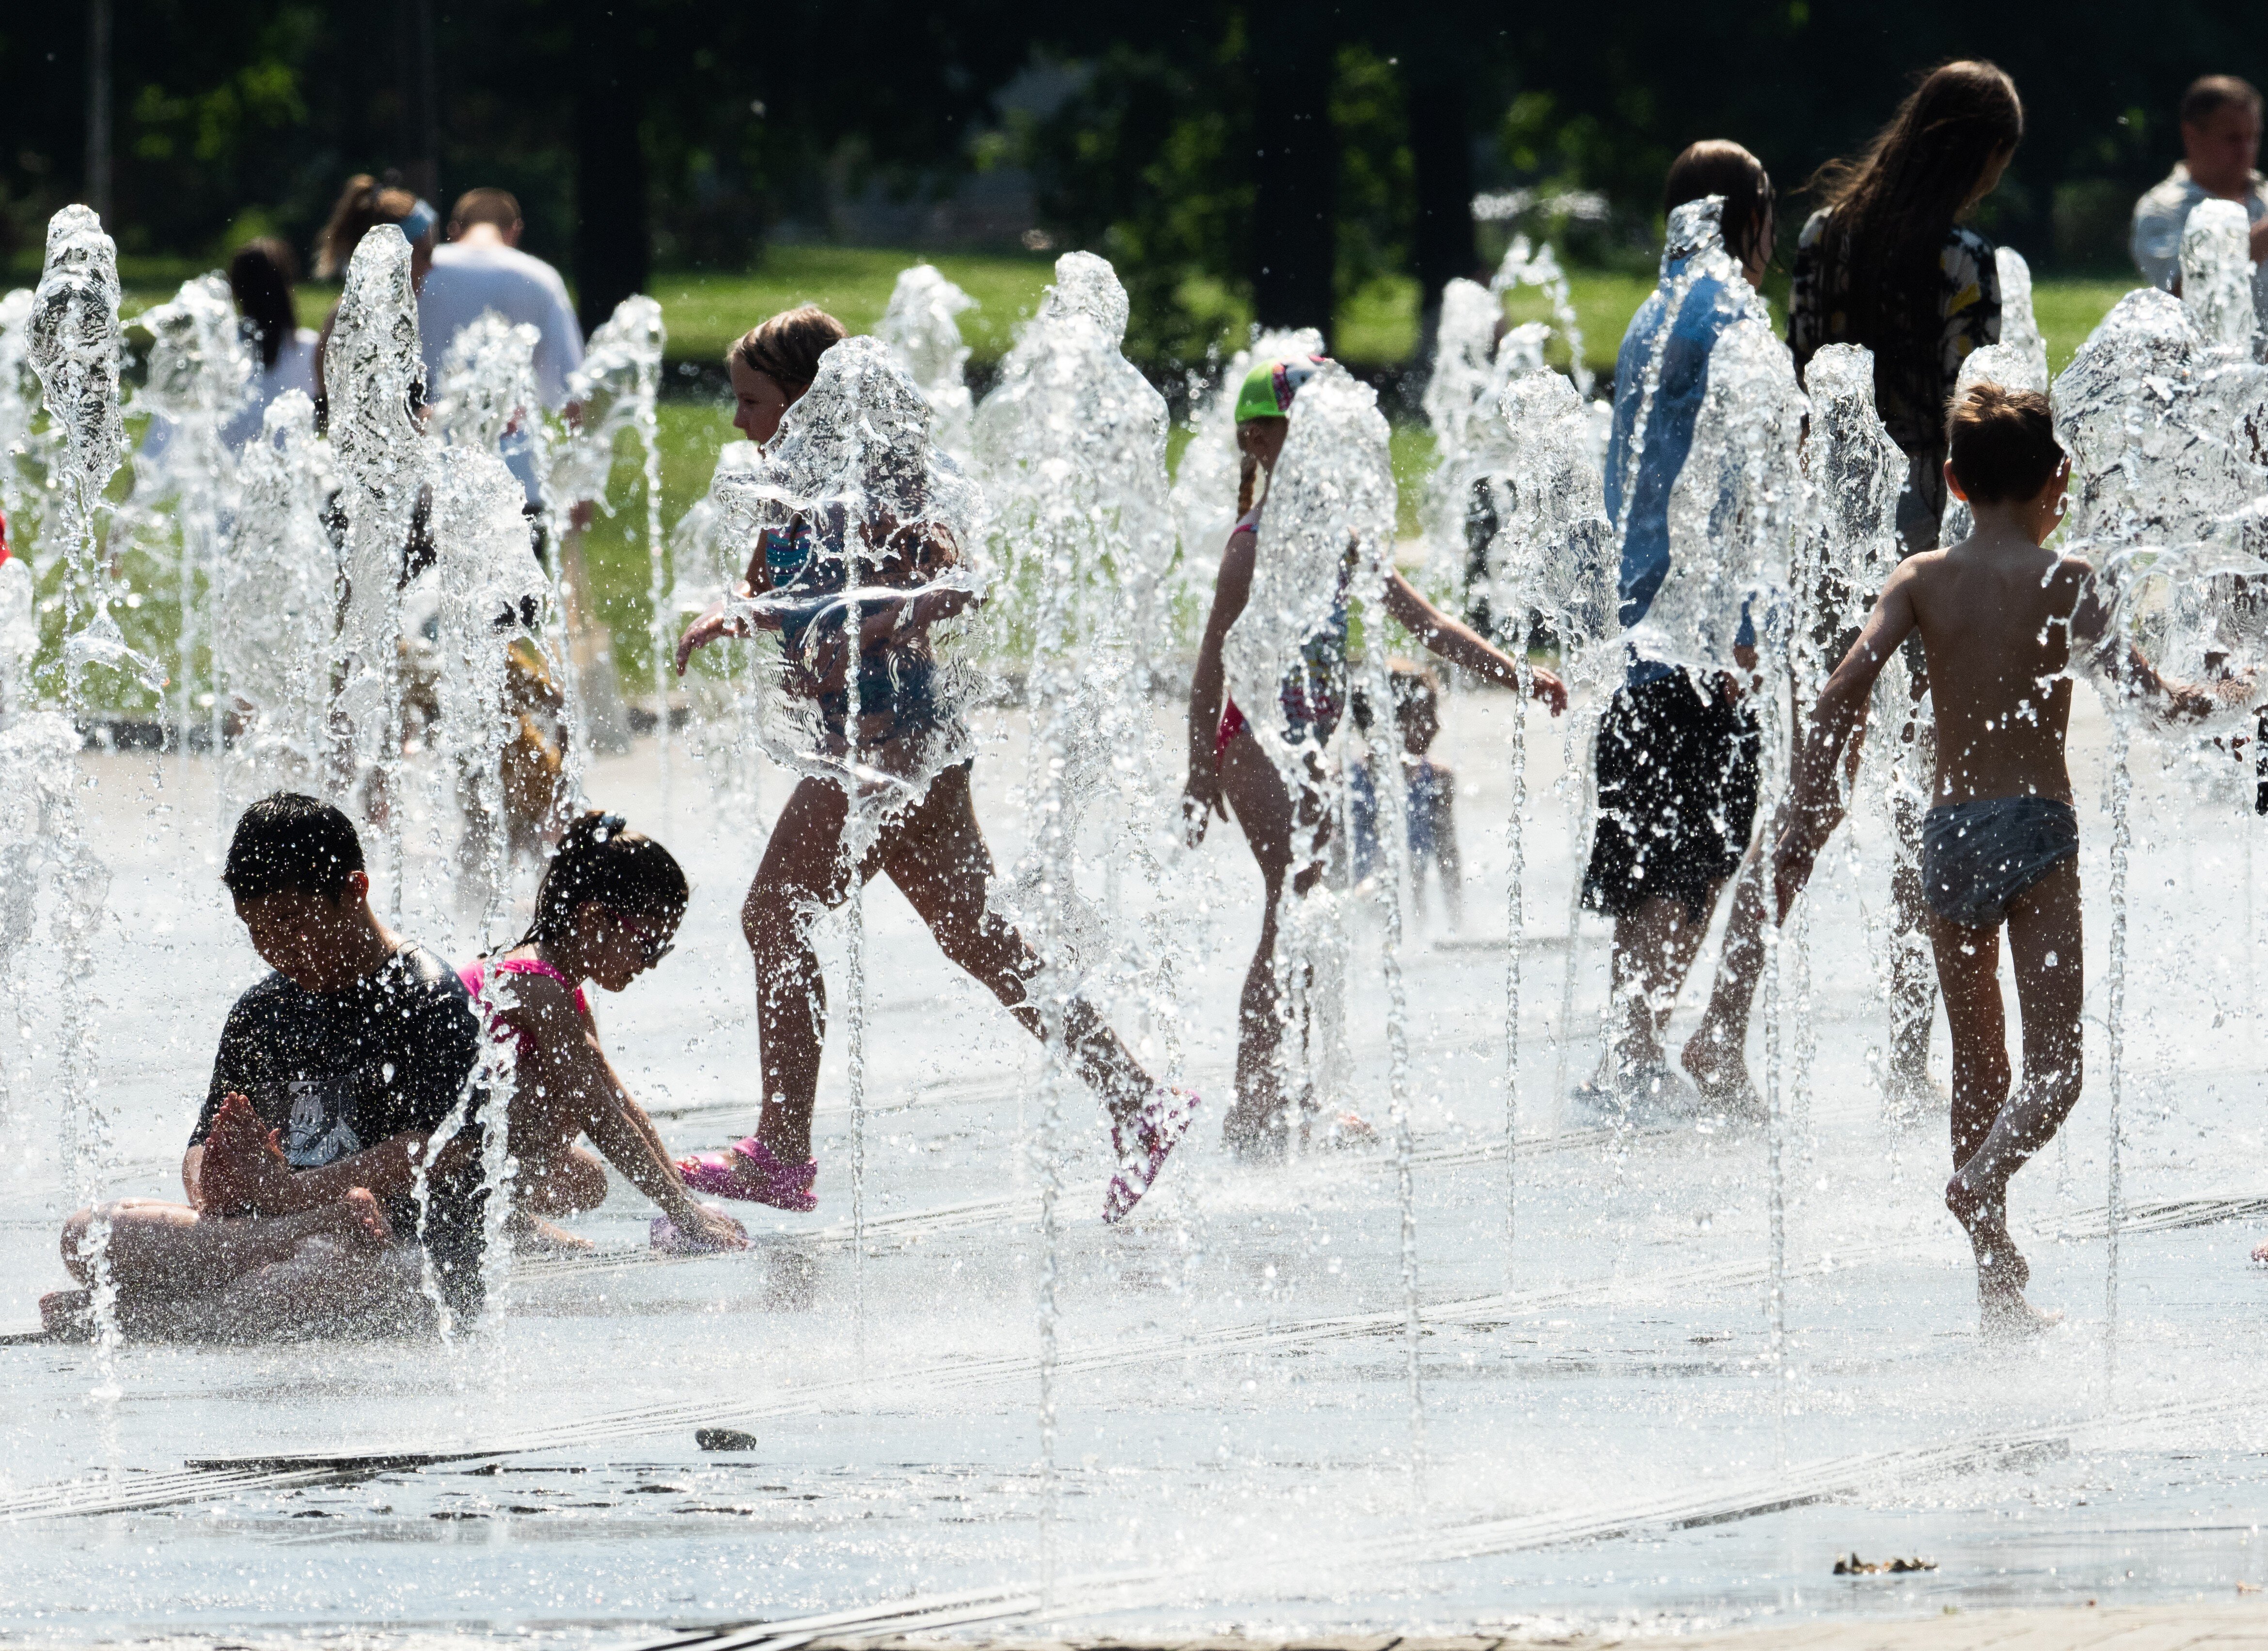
(1233, 156)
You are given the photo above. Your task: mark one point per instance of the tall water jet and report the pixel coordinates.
(374, 379)
(277, 616)
(1847, 547)
(1326, 538)
(2127, 412)
(922, 327)
(617, 387)
(73, 345)
(1545, 548)
(200, 373)
(706, 556)
(1071, 447)
(492, 589)
(1539, 267)
(2019, 329)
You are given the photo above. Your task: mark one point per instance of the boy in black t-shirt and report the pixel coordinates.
(332, 1074)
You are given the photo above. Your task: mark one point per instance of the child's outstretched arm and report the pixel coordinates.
(2126, 666)
(563, 1060)
(1461, 644)
(1815, 803)
(1232, 589)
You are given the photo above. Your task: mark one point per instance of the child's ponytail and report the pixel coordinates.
(1247, 478)
(601, 861)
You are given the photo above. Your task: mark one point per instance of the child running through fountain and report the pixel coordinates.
(925, 839)
(1998, 614)
(1229, 769)
(334, 1072)
(607, 911)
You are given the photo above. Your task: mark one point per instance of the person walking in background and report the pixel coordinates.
(1676, 758)
(1886, 262)
(260, 278)
(2220, 154)
(479, 268)
(363, 205)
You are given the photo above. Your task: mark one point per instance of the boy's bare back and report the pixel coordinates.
(1996, 614)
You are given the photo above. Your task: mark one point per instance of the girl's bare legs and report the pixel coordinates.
(1257, 795)
(936, 854)
(801, 876)
(1995, 1133)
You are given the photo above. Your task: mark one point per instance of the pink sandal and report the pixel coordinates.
(749, 1171)
(1142, 1143)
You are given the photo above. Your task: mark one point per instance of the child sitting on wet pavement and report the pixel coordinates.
(335, 1072)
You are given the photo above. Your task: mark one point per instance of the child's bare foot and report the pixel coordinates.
(361, 1220)
(67, 1315)
(2003, 1314)
(2260, 1252)
(1721, 1071)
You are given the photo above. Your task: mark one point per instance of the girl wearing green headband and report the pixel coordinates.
(1230, 773)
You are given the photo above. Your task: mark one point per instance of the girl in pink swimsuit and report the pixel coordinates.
(607, 911)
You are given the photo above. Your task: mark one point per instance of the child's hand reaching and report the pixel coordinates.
(1200, 798)
(1548, 688)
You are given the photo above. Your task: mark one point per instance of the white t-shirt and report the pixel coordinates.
(466, 282)
(2159, 216)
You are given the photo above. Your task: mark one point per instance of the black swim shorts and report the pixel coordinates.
(1677, 795)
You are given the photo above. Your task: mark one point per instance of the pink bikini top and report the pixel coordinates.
(472, 975)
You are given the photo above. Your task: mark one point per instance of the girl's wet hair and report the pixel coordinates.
(601, 861)
(786, 349)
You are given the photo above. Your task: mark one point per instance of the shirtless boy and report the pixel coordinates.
(1999, 616)
(333, 1072)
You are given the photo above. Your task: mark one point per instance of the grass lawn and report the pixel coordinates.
(1377, 325)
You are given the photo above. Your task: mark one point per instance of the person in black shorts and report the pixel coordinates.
(1677, 750)
(334, 1073)
(1677, 771)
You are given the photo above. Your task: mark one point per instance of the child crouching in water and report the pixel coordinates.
(1998, 615)
(607, 911)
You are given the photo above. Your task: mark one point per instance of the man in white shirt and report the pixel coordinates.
(480, 268)
(2220, 150)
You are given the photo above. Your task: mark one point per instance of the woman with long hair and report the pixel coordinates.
(1886, 262)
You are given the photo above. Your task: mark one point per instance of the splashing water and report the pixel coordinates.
(374, 377)
(922, 327)
(1205, 483)
(2217, 275)
(617, 387)
(2019, 331)
(1539, 267)
(200, 373)
(278, 610)
(74, 347)
(1736, 506)
(488, 386)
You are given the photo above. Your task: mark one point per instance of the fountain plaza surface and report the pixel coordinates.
(1599, 1440)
